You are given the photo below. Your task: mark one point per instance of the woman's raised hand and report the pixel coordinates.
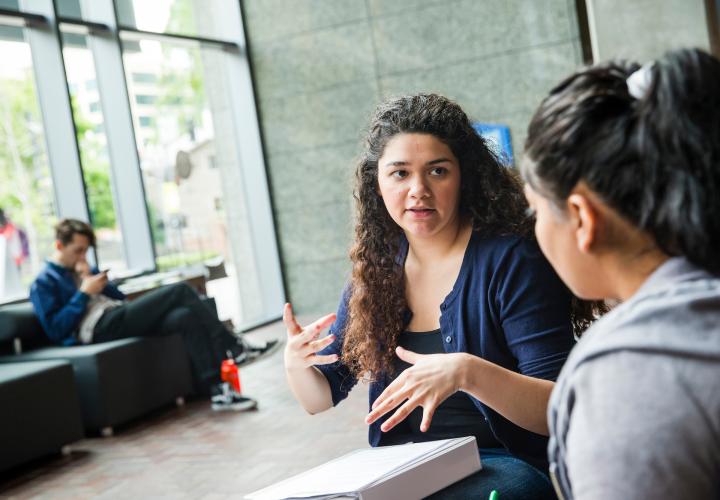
(303, 344)
(430, 381)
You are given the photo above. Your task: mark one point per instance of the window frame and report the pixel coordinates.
(105, 36)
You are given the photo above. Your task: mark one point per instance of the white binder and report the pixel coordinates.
(408, 471)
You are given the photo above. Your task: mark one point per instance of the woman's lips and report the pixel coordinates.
(421, 213)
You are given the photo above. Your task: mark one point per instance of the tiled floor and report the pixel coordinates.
(193, 452)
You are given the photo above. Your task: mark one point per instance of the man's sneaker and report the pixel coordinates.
(248, 350)
(258, 347)
(241, 358)
(228, 399)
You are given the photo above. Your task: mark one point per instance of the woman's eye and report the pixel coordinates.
(438, 171)
(399, 174)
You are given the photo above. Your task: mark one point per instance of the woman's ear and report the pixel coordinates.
(586, 219)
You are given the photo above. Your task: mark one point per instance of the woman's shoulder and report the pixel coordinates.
(504, 246)
(504, 254)
(633, 343)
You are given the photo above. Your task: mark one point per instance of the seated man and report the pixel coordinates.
(78, 305)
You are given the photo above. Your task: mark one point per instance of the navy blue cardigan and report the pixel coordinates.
(507, 306)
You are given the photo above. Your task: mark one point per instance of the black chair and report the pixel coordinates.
(40, 411)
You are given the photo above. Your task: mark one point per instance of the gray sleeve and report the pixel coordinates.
(639, 429)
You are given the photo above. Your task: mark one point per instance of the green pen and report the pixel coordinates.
(494, 495)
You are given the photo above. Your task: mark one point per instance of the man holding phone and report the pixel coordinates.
(77, 304)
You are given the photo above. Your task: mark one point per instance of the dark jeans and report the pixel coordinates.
(168, 310)
(513, 479)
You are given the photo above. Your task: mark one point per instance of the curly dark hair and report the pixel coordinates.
(491, 197)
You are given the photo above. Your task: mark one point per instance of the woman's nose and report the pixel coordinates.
(418, 188)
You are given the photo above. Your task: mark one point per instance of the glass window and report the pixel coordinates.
(184, 17)
(10, 32)
(146, 121)
(81, 75)
(9, 4)
(68, 8)
(145, 99)
(175, 144)
(144, 78)
(186, 169)
(26, 191)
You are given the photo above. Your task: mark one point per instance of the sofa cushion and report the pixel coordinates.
(19, 321)
(121, 380)
(40, 410)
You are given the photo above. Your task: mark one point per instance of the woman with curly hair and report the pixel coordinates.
(446, 277)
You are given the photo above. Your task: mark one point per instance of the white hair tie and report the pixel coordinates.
(639, 82)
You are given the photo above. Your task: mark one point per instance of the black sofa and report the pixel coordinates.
(116, 381)
(40, 410)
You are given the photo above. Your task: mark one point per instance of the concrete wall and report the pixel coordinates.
(320, 67)
(644, 29)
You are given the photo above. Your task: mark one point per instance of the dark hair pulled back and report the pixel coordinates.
(655, 158)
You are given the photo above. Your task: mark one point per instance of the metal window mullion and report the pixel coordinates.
(252, 166)
(129, 33)
(592, 30)
(54, 97)
(19, 18)
(130, 204)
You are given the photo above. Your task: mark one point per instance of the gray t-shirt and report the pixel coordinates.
(636, 409)
(97, 305)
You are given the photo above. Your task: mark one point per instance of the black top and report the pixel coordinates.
(507, 306)
(457, 416)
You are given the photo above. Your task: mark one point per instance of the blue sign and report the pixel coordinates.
(498, 140)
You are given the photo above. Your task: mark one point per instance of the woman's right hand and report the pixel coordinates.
(303, 344)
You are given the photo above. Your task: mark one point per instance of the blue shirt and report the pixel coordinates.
(507, 306)
(60, 305)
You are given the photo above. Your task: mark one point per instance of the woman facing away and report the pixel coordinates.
(444, 270)
(622, 168)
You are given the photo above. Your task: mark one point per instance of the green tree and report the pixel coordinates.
(96, 172)
(182, 90)
(25, 186)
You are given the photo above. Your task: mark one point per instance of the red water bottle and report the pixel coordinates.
(229, 373)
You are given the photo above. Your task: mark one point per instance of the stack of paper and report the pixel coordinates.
(401, 472)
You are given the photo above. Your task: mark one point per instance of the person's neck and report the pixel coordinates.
(432, 249)
(626, 275)
(56, 258)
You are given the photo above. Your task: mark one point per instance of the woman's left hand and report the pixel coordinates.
(430, 381)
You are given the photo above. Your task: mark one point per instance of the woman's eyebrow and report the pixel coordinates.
(403, 163)
(396, 163)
